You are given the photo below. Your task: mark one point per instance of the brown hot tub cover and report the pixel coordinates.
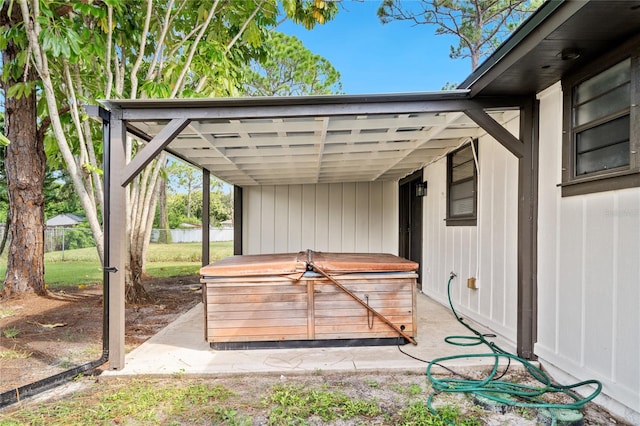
(298, 263)
(257, 264)
(344, 263)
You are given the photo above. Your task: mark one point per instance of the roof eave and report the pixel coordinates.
(544, 20)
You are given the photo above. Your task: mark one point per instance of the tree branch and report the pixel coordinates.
(180, 82)
(109, 47)
(244, 26)
(140, 57)
(160, 42)
(45, 123)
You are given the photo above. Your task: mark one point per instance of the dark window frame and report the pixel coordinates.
(603, 180)
(469, 219)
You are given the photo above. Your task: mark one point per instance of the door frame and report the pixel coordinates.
(410, 206)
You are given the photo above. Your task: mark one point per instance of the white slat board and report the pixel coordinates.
(588, 273)
(491, 245)
(347, 217)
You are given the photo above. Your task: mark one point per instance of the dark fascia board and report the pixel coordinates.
(266, 101)
(488, 70)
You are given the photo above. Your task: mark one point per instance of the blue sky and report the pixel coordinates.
(371, 57)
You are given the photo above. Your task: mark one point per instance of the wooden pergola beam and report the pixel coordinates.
(151, 151)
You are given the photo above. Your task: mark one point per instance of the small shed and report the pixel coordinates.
(64, 220)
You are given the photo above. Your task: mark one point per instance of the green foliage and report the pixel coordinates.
(310, 13)
(291, 404)
(20, 90)
(156, 90)
(412, 390)
(139, 402)
(417, 414)
(15, 354)
(220, 206)
(74, 238)
(11, 332)
(58, 39)
(184, 201)
(59, 195)
(88, 167)
(182, 176)
(7, 312)
(14, 36)
(290, 69)
(450, 86)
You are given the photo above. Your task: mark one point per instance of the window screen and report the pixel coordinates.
(461, 186)
(601, 121)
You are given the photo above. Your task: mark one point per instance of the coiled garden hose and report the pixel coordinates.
(503, 392)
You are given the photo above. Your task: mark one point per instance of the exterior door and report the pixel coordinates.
(411, 221)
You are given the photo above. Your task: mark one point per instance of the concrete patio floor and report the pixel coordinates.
(180, 348)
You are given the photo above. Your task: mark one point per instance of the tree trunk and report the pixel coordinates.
(25, 169)
(134, 290)
(163, 222)
(145, 188)
(5, 234)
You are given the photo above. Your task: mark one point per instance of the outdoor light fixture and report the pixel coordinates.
(569, 54)
(421, 189)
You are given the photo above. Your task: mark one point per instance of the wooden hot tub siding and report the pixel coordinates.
(288, 311)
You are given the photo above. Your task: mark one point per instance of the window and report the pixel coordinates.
(600, 138)
(462, 184)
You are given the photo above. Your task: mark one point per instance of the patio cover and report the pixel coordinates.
(314, 139)
(296, 140)
(262, 141)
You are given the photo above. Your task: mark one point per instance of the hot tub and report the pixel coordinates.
(309, 299)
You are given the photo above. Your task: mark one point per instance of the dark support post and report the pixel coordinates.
(525, 149)
(206, 214)
(237, 220)
(527, 231)
(116, 250)
(106, 260)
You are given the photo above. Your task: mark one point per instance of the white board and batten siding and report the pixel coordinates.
(487, 252)
(341, 217)
(588, 273)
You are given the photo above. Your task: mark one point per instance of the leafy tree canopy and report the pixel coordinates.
(290, 69)
(77, 52)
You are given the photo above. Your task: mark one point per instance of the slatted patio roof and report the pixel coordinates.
(352, 141)
(321, 149)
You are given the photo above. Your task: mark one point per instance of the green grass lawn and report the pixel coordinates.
(82, 267)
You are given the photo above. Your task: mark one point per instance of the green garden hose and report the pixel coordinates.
(503, 392)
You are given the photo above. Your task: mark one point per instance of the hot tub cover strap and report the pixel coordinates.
(362, 302)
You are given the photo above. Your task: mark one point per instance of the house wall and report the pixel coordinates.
(341, 217)
(588, 274)
(487, 251)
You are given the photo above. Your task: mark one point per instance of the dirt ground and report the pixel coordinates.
(42, 336)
